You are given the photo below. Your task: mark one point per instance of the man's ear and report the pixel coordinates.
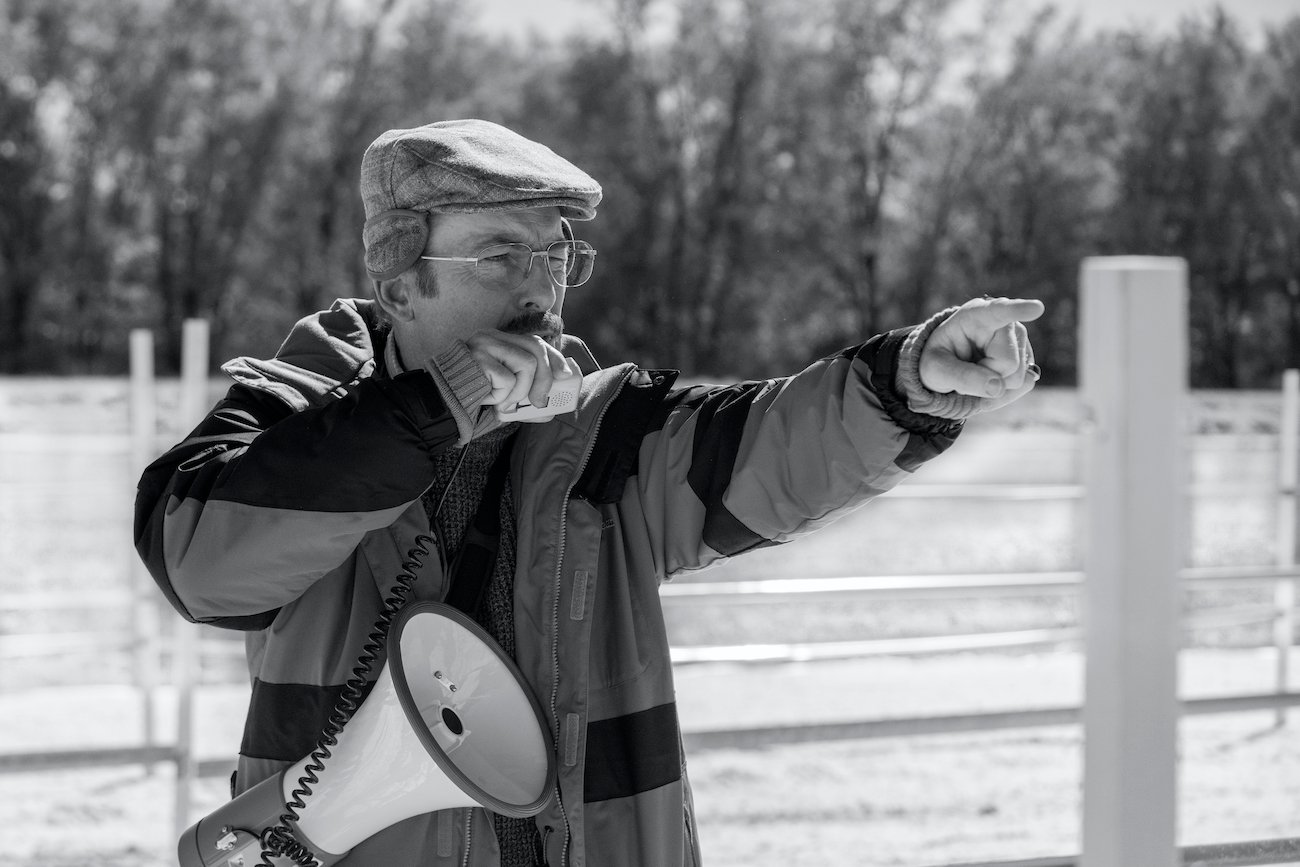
(395, 296)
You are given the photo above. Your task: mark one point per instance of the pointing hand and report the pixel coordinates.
(983, 350)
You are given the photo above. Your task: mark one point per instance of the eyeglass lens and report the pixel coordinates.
(570, 262)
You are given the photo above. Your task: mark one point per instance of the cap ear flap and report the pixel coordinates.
(394, 240)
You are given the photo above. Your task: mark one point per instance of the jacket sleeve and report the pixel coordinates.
(259, 501)
(724, 470)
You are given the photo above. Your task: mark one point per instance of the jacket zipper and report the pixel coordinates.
(469, 836)
(555, 608)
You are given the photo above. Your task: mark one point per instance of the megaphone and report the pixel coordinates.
(449, 723)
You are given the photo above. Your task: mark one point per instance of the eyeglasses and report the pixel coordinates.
(507, 266)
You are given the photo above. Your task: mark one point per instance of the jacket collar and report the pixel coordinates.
(323, 354)
(329, 351)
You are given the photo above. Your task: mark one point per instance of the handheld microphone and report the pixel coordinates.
(562, 398)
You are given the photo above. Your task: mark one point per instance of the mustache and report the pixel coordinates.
(546, 325)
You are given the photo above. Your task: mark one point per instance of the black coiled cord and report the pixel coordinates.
(278, 840)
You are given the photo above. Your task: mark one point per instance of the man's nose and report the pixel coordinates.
(538, 289)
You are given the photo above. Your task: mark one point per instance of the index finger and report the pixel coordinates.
(994, 313)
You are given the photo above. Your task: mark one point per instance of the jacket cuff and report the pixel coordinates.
(463, 386)
(907, 378)
(881, 356)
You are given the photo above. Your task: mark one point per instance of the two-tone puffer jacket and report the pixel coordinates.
(289, 509)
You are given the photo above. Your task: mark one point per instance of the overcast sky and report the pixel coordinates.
(1165, 14)
(567, 15)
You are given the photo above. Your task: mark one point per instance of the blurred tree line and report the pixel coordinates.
(782, 177)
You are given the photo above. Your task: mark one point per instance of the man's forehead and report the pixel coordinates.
(501, 226)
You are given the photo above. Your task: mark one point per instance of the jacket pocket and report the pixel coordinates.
(619, 648)
(627, 624)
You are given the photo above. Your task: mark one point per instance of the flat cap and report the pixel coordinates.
(458, 166)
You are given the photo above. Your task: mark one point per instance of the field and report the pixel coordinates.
(64, 528)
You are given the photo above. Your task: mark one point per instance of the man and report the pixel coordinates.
(289, 510)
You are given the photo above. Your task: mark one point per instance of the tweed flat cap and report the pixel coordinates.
(458, 166)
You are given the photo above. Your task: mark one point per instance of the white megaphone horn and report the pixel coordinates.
(449, 723)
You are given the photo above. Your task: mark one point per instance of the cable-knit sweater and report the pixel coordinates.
(459, 478)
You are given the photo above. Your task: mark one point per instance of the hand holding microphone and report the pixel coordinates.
(530, 379)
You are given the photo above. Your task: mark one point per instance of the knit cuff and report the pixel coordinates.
(907, 380)
(463, 386)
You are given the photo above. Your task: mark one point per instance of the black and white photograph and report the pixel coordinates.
(649, 433)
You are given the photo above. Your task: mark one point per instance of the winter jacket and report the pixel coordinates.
(290, 509)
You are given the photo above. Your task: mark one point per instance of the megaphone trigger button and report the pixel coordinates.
(227, 840)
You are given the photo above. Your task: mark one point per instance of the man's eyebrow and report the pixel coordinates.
(479, 240)
(488, 238)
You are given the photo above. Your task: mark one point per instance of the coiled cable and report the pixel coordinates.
(278, 840)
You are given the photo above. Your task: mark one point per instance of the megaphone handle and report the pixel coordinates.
(279, 840)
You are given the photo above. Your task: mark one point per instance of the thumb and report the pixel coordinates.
(944, 372)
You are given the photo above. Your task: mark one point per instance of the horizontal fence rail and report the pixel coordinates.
(927, 644)
(771, 590)
(104, 757)
(760, 737)
(1251, 853)
(768, 591)
(45, 644)
(756, 737)
(780, 590)
(1064, 491)
(823, 651)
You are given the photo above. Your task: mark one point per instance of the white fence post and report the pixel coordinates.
(144, 621)
(1133, 372)
(192, 406)
(1288, 478)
